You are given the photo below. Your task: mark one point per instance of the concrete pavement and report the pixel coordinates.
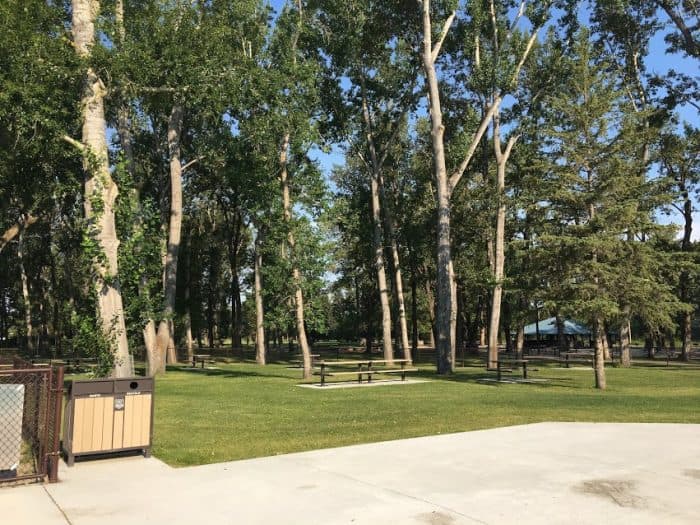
(543, 473)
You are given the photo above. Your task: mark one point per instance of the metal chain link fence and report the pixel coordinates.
(30, 421)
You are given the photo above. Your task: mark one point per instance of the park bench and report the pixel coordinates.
(201, 358)
(363, 368)
(509, 366)
(577, 357)
(299, 361)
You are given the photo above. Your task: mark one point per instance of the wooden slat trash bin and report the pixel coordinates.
(108, 415)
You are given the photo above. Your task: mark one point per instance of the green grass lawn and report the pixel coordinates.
(244, 411)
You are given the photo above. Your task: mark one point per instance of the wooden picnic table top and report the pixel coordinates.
(363, 362)
(201, 356)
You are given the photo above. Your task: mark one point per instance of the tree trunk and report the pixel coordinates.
(445, 363)
(100, 186)
(507, 319)
(499, 245)
(625, 336)
(686, 246)
(431, 313)
(398, 279)
(164, 339)
(378, 237)
(520, 340)
(414, 314)
(259, 307)
(649, 346)
(599, 355)
(381, 273)
(127, 146)
(234, 224)
(189, 342)
(26, 302)
(296, 274)
(453, 316)
(606, 344)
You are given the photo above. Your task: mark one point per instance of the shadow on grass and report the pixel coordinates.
(224, 373)
(489, 379)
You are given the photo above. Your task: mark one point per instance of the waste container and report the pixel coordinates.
(108, 415)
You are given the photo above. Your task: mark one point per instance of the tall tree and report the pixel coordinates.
(100, 190)
(445, 184)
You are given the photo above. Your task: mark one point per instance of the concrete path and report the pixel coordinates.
(544, 473)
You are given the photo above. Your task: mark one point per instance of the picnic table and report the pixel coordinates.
(201, 358)
(363, 368)
(509, 365)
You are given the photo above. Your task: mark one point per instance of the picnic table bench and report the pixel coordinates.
(201, 358)
(300, 360)
(509, 365)
(364, 368)
(577, 357)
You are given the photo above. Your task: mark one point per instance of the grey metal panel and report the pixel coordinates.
(11, 414)
(92, 386)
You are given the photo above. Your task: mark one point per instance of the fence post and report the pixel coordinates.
(53, 454)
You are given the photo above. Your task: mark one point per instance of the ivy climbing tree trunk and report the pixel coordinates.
(100, 190)
(165, 336)
(126, 139)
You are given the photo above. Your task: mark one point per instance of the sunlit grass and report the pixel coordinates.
(242, 410)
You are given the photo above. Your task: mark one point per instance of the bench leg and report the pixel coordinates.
(498, 371)
(524, 370)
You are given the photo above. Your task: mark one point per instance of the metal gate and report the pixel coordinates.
(31, 400)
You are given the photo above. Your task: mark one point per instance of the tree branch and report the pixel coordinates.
(384, 153)
(75, 143)
(516, 20)
(509, 147)
(457, 174)
(190, 163)
(523, 58)
(13, 230)
(691, 46)
(436, 48)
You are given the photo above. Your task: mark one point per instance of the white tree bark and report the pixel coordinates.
(26, 302)
(164, 343)
(378, 238)
(445, 185)
(445, 363)
(499, 248)
(296, 274)
(99, 186)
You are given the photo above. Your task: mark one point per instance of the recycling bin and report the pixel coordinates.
(105, 416)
